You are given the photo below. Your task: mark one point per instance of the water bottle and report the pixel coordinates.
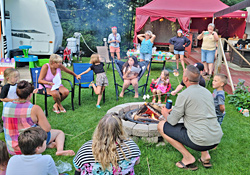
(240, 46)
(245, 112)
(169, 104)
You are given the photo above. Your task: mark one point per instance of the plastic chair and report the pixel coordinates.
(85, 79)
(143, 65)
(34, 79)
(104, 55)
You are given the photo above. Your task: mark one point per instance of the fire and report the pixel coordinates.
(153, 116)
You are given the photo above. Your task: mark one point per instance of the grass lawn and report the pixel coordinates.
(230, 157)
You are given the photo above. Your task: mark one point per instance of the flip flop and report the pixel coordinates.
(206, 164)
(63, 111)
(191, 166)
(56, 111)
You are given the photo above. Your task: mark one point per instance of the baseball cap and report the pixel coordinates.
(179, 31)
(200, 66)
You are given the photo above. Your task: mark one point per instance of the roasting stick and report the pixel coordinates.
(36, 71)
(82, 133)
(148, 167)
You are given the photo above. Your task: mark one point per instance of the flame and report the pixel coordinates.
(153, 116)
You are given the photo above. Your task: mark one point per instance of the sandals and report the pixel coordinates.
(63, 111)
(206, 164)
(191, 166)
(204, 74)
(56, 111)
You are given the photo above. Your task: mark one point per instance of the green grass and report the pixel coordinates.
(231, 156)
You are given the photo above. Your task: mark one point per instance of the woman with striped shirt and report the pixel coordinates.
(109, 152)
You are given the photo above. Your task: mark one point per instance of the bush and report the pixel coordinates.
(241, 96)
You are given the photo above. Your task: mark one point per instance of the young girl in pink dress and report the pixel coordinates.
(161, 86)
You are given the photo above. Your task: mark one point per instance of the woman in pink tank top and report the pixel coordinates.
(48, 72)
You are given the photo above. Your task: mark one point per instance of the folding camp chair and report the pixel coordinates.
(85, 79)
(34, 79)
(104, 55)
(143, 65)
(169, 90)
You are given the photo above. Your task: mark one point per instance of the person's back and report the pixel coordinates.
(32, 143)
(16, 118)
(200, 117)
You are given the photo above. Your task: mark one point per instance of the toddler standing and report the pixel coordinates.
(4, 157)
(219, 82)
(161, 86)
(101, 78)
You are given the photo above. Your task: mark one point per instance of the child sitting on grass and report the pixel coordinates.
(32, 143)
(4, 157)
(161, 86)
(101, 78)
(219, 82)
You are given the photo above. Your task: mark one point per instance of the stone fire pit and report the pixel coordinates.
(148, 132)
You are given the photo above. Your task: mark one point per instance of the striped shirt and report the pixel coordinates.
(85, 161)
(16, 118)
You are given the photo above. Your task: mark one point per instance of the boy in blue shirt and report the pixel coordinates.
(219, 81)
(32, 143)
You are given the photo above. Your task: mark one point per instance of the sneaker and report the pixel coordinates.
(98, 106)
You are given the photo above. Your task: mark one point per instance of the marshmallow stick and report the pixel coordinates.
(36, 71)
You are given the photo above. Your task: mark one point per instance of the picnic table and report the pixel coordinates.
(157, 57)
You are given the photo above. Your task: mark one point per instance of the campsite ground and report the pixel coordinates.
(231, 156)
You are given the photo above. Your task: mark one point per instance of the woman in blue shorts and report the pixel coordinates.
(208, 48)
(179, 42)
(147, 41)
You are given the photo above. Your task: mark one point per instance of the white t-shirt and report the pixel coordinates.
(36, 164)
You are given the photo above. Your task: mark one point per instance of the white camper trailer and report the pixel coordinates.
(32, 22)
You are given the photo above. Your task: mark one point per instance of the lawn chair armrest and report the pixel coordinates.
(72, 87)
(44, 88)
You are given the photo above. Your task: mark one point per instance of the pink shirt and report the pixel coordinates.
(49, 77)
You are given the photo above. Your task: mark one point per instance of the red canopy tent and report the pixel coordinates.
(199, 10)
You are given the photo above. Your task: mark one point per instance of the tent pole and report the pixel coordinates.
(213, 19)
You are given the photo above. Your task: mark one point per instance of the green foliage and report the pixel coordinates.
(241, 96)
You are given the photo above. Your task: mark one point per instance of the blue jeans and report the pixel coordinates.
(145, 56)
(207, 56)
(176, 52)
(220, 118)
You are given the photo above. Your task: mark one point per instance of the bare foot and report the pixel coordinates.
(65, 153)
(186, 162)
(121, 94)
(51, 145)
(136, 96)
(55, 107)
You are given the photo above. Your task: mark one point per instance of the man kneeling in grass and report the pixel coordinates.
(200, 130)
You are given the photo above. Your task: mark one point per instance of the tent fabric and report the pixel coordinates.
(181, 10)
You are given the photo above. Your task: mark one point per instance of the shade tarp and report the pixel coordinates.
(182, 10)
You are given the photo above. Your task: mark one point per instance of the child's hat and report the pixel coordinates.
(200, 66)
(179, 31)
(114, 28)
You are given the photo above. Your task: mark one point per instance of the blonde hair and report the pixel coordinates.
(54, 58)
(166, 75)
(107, 136)
(94, 59)
(9, 72)
(223, 78)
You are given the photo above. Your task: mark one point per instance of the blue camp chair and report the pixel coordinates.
(85, 79)
(143, 65)
(34, 78)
